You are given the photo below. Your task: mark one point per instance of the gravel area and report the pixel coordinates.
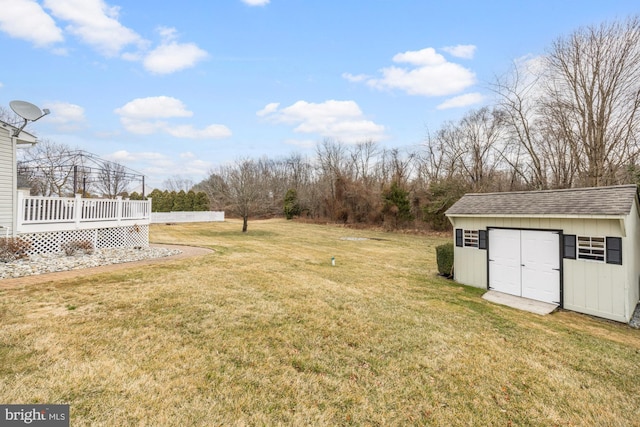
(49, 263)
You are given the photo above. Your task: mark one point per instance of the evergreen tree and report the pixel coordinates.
(291, 205)
(201, 202)
(397, 204)
(179, 201)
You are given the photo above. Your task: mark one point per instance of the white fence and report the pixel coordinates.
(42, 214)
(169, 217)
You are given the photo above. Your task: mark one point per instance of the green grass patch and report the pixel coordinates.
(265, 331)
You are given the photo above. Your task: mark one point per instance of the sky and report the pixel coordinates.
(180, 88)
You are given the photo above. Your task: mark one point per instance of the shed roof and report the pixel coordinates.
(616, 200)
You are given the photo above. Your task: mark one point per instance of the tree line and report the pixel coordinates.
(568, 118)
(175, 201)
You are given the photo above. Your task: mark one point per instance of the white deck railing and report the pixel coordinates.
(38, 213)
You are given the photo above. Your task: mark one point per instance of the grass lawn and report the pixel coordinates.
(264, 331)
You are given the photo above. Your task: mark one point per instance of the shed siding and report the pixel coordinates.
(7, 180)
(471, 269)
(605, 290)
(595, 288)
(631, 254)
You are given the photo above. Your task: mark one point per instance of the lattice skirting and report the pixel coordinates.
(115, 237)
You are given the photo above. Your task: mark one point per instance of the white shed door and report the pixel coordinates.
(504, 261)
(525, 263)
(541, 265)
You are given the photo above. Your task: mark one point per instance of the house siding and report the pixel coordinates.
(7, 180)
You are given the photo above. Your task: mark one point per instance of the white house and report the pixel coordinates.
(577, 248)
(48, 223)
(8, 175)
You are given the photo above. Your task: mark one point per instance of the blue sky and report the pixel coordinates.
(178, 88)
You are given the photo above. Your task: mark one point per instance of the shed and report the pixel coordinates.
(8, 174)
(578, 248)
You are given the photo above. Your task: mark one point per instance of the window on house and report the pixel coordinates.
(471, 238)
(591, 248)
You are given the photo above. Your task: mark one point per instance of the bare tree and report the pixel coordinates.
(177, 183)
(593, 96)
(238, 188)
(51, 171)
(9, 116)
(112, 179)
(520, 94)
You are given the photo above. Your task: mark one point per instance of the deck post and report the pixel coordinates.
(77, 210)
(19, 212)
(119, 209)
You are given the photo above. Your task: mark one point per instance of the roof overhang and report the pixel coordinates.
(556, 216)
(23, 138)
(620, 218)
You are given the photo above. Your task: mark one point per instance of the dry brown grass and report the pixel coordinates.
(266, 332)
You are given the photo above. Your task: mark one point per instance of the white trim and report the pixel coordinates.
(559, 216)
(42, 214)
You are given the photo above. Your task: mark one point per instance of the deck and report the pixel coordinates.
(37, 214)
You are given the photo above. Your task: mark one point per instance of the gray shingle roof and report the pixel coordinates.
(616, 200)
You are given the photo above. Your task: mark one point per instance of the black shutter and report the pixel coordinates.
(569, 246)
(482, 239)
(614, 250)
(459, 237)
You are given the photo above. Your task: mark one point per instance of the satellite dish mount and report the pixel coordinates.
(28, 111)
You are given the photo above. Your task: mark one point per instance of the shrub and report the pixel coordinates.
(71, 248)
(13, 248)
(444, 257)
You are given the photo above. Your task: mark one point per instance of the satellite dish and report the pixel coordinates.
(28, 112)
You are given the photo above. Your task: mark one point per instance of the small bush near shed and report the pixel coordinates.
(13, 248)
(81, 246)
(444, 258)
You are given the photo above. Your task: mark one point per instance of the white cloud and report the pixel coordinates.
(161, 166)
(342, 120)
(430, 75)
(124, 155)
(65, 116)
(210, 132)
(143, 127)
(26, 20)
(465, 51)
(355, 78)
(171, 57)
(96, 24)
(256, 2)
(153, 107)
(427, 56)
(146, 116)
(461, 101)
(268, 109)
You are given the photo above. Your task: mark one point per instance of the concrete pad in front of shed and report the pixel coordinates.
(526, 304)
